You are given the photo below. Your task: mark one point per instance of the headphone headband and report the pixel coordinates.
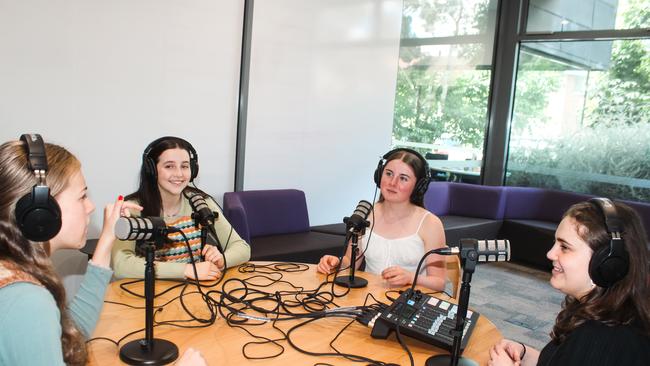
(149, 164)
(35, 151)
(154, 143)
(425, 164)
(422, 183)
(37, 213)
(608, 210)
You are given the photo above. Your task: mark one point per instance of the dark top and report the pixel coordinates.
(596, 344)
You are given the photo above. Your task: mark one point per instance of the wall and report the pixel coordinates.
(322, 88)
(104, 78)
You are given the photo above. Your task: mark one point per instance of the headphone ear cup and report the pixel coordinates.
(194, 168)
(420, 188)
(38, 215)
(378, 172)
(606, 268)
(149, 166)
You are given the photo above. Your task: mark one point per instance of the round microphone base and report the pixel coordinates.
(345, 281)
(160, 352)
(445, 360)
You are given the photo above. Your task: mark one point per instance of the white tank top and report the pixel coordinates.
(382, 253)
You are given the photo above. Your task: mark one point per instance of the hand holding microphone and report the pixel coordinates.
(143, 228)
(112, 212)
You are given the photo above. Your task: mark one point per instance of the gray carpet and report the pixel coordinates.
(518, 300)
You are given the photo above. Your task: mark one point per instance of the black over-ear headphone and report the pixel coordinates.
(609, 264)
(37, 213)
(421, 185)
(149, 163)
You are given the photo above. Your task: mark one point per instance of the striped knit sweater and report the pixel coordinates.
(176, 251)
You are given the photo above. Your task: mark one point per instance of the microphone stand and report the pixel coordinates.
(350, 281)
(149, 350)
(207, 226)
(468, 256)
(204, 237)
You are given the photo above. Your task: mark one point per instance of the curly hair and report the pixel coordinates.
(625, 302)
(16, 180)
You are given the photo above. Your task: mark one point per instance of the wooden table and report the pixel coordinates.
(222, 344)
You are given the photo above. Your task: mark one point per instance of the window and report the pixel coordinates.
(581, 117)
(581, 15)
(443, 81)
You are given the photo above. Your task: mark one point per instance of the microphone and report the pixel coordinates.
(205, 216)
(357, 221)
(142, 228)
(485, 250)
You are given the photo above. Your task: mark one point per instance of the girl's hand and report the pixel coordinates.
(112, 212)
(205, 270)
(212, 254)
(397, 276)
(327, 264)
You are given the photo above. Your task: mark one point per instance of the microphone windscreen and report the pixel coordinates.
(493, 250)
(198, 202)
(363, 209)
(122, 228)
(134, 228)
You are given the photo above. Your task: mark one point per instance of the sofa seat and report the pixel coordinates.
(336, 229)
(459, 227)
(530, 240)
(307, 247)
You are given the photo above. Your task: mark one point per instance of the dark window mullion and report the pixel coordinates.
(592, 35)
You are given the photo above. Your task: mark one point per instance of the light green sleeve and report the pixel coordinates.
(30, 326)
(237, 250)
(89, 299)
(127, 264)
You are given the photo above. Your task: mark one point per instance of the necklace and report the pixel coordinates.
(168, 215)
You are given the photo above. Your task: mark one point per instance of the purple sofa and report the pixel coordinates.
(276, 225)
(526, 216)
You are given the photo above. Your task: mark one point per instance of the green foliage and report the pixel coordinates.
(638, 14)
(623, 97)
(582, 162)
(614, 122)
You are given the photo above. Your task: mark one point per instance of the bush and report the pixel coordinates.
(603, 161)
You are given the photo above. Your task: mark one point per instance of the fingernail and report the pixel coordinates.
(120, 198)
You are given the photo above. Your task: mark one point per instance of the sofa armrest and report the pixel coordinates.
(236, 215)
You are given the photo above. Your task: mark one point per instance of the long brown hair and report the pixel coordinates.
(625, 302)
(16, 180)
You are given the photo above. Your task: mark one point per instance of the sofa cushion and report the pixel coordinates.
(436, 199)
(267, 212)
(473, 200)
(643, 209)
(337, 229)
(530, 203)
(460, 199)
